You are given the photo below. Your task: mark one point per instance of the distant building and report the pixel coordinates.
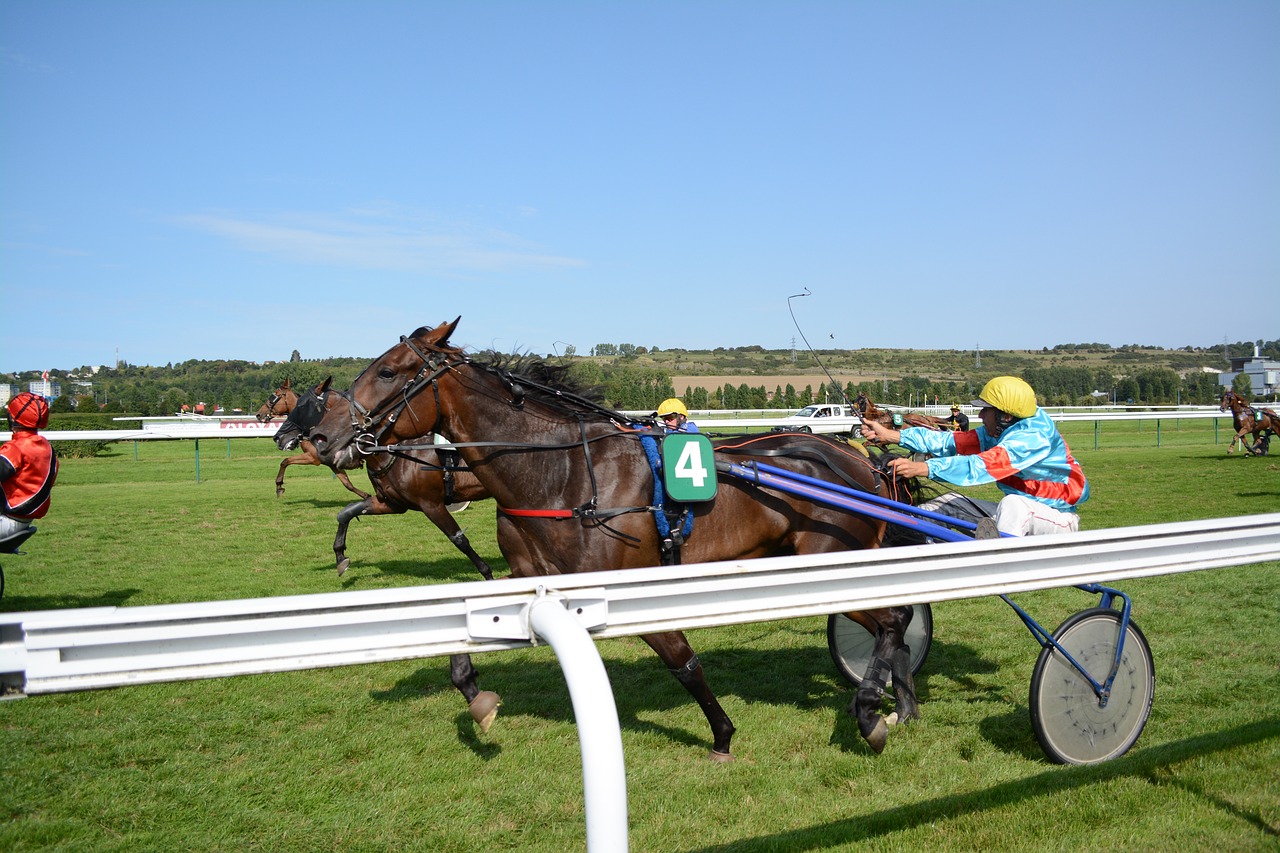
(1263, 373)
(46, 388)
(7, 390)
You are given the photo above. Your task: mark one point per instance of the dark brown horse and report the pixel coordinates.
(1254, 427)
(281, 403)
(576, 492)
(416, 477)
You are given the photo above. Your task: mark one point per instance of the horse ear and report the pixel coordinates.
(324, 386)
(440, 334)
(286, 383)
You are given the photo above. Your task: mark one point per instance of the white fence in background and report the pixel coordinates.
(52, 651)
(197, 427)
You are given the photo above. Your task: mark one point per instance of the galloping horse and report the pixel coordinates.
(281, 404)
(575, 491)
(868, 411)
(425, 480)
(1253, 426)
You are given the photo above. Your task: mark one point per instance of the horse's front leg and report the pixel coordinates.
(483, 704)
(680, 659)
(890, 659)
(369, 506)
(443, 519)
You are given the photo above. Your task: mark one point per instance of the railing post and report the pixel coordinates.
(604, 775)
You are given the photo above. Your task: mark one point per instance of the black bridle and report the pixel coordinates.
(370, 425)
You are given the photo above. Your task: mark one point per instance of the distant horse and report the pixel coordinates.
(417, 477)
(868, 411)
(281, 403)
(1254, 427)
(576, 492)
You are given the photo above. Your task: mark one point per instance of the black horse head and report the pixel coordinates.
(306, 414)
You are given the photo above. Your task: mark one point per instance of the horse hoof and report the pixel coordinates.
(343, 565)
(279, 493)
(891, 720)
(879, 737)
(720, 757)
(484, 708)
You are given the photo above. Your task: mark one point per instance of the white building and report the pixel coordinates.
(1263, 373)
(46, 388)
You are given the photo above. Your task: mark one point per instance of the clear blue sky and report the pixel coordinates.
(241, 179)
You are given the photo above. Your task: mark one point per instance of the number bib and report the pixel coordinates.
(688, 467)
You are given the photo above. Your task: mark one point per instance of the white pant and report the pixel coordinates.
(1020, 516)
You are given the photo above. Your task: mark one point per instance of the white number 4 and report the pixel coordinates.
(689, 466)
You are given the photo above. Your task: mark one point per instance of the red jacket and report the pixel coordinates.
(28, 470)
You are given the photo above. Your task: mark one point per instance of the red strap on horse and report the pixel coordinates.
(537, 513)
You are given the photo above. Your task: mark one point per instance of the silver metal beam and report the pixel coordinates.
(62, 650)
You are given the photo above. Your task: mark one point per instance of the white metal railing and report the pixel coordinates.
(725, 420)
(63, 650)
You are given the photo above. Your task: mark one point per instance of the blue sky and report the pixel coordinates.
(234, 179)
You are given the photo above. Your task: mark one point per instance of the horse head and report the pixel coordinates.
(304, 416)
(390, 387)
(279, 404)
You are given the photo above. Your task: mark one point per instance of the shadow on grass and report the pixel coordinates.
(1146, 763)
(802, 678)
(452, 570)
(25, 603)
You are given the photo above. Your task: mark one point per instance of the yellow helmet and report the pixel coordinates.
(1008, 394)
(672, 406)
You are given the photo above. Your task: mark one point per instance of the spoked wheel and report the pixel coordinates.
(851, 645)
(1071, 723)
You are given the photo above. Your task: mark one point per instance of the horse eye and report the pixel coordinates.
(386, 373)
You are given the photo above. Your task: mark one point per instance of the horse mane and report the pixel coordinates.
(551, 384)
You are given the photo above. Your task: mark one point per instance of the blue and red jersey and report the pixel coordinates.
(1030, 458)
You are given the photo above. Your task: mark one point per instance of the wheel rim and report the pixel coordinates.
(1070, 723)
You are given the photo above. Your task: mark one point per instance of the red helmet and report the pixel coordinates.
(29, 410)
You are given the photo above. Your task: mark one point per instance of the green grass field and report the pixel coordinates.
(384, 756)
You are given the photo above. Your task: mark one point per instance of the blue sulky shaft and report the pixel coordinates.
(843, 497)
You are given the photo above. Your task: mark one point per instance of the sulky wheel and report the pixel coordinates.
(851, 644)
(1071, 723)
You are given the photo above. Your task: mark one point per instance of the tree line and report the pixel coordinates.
(625, 383)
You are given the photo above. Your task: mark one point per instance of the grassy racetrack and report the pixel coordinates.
(385, 757)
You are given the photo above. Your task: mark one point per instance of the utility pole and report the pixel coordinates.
(977, 356)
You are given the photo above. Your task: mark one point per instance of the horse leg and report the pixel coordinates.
(443, 519)
(483, 704)
(889, 659)
(681, 661)
(350, 511)
(346, 481)
(284, 463)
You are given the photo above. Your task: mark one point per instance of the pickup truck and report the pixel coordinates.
(828, 418)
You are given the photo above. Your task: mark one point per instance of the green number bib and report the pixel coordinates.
(688, 466)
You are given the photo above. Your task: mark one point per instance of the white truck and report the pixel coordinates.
(829, 418)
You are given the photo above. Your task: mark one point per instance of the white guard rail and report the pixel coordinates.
(61, 650)
(196, 428)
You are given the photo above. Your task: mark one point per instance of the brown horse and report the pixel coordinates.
(868, 411)
(576, 492)
(282, 403)
(1254, 427)
(279, 404)
(418, 478)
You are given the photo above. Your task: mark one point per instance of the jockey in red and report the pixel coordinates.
(28, 467)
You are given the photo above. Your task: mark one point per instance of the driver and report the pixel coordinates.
(1017, 447)
(675, 417)
(28, 467)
